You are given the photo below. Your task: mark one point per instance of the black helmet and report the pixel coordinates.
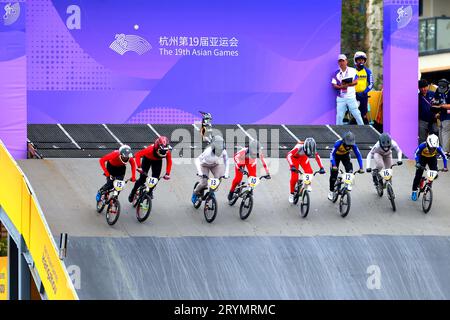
(253, 149)
(385, 141)
(309, 147)
(443, 85)
(349, 139)
(125, 153)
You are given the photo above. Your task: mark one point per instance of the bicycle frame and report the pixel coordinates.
(251, 184)
(429, 177)
(386, 175)
(345, 182)
(305, 180)
(213, 185)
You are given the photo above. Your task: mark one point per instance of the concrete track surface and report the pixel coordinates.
(274, 254)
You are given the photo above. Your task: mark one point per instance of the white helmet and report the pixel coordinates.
(358, 55)
(217, 145)
(432, 141)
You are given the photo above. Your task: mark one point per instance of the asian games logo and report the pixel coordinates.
(124, 43)
(404, 16)
(12, 13)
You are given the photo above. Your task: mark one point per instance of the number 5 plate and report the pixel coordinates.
(118, 185)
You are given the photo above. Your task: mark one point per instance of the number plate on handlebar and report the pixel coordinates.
(253, 182)
(118, 185)
(213, 183)
(151, 182)
(348, 178)
(307, 178)
(431, 175)
(387, 174)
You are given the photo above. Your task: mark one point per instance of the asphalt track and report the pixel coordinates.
(275, 254)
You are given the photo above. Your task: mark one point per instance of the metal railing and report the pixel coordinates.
(434, 35)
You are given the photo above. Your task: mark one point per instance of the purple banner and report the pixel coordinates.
(162, 61)
(400, 72)
(13, 63)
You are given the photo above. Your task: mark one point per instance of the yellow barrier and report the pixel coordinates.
(3, 278)
(24, 212)
(375, 101)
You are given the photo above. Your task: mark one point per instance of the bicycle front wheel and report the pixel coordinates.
(246, 206)
(143, 207)
(427, 199)
(304, 205)
(113, 211)
(345, 203)
(210, 210)
(391, 196)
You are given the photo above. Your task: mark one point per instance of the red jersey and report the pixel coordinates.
(240, 158)
(298, 153)
(149, 153)
(114, 159)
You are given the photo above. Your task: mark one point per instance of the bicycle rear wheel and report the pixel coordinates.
(335, 193)
(143, 207)
(345, 204)
(198, 203)
(136, 198)
(379, 188)
(427, 199)
(235, 195)
(101, 204)
(246, 206)
(298, 185)
(391, 196)
(113, 211)
(210, 209)
(304, 205)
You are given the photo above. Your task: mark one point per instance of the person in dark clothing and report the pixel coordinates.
(427, 117)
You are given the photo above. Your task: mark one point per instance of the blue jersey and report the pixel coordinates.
(422, 151)
(339, 149)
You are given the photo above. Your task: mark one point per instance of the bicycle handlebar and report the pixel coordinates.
(207, 177)
(340, 170)
(267, 176)
(424, 168)
(300, 172)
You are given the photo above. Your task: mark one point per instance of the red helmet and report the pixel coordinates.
(162, 146)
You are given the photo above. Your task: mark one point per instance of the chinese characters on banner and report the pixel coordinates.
(181, 46)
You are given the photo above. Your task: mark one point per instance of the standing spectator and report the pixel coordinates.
(442, 98)
(344, 81)
(365, 83)
(426, 115)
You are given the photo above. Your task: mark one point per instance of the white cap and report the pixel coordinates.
(342, 57)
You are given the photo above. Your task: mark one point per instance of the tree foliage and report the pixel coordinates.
(354, 29)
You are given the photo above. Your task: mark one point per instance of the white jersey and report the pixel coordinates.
(208, 157)
(340, 75)
(377, 149)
